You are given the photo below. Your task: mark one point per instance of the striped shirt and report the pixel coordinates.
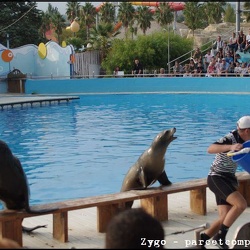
(222, 163)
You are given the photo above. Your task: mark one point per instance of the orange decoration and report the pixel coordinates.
(7, 55)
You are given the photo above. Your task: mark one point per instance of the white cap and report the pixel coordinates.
(244, 122)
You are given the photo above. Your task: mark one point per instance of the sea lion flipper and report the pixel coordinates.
(142, 178)
(163, 179)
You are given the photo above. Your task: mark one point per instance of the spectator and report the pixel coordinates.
(117, 68)
(187, 73)
(237, 58)
(225, 49)
(199, 69)
(6, 243)
(237, 69)
(247, 47)
(208, 58)
(128, 229)
(192, 66)
(162, 73)
(211, 71)
(231, 69)
(177, 69)
(138, 68)
(233, 42)
(229, 58)
(197, 55)
(223, 71)
(241, 41)
(218, 44)
(244, 69)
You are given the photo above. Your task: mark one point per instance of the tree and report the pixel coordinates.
(214, 11)
(229, 15)
(72, 10)
(163, 14)
(144, 17)
(88, 16)
(125, 15)
(152, 50)
(193, 13)
(58, 23)
(21, 21)
(101, 37)
(107, 13)
(246, 6)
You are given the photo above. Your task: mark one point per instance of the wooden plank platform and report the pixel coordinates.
(21, 100)
(83, 234)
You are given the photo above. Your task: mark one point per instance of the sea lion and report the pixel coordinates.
(14, 188)
(149, 167)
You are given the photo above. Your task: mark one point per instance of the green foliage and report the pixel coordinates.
(21, 21)
(152, 51)
(76, 42)
(214, 11)
(229, 15)
(246, 6)
(194, 16)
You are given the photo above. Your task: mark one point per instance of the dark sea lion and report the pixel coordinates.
(149, 167)
(14, 188)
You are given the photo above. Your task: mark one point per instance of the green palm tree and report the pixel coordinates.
(46, 22)
(163, 14)
(58, 23)
(101, 37)
(107, 13)
(125, 15)
(144, 17)
(88, 16)
(72, 10)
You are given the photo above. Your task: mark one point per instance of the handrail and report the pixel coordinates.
(210, 41)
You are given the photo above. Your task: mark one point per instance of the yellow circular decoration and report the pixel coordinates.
(64, 44)
(42, 50)
(74, 26)
(7, 55)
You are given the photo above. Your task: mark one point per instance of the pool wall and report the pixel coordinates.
(140, 84)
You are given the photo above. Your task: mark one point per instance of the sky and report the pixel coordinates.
(60, 5)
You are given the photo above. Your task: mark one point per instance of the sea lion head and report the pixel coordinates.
(164, 138)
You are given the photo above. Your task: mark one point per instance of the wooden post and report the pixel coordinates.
(60, 226)
(198, 201)
(12, 230)
(104, 214)
(156, 206)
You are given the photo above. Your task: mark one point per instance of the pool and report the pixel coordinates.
(85, 147)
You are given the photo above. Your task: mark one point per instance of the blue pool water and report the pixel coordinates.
(86, 147)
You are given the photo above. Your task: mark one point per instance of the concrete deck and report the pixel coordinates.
(83, 231)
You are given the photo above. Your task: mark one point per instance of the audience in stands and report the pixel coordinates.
(221, 60)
